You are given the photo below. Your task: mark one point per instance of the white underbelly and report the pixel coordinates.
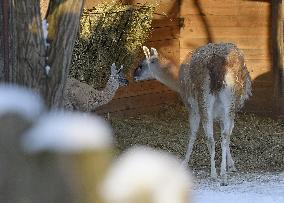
(223, 102)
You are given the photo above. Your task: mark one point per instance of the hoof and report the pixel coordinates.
(213, 176)
(224, 180)
(213, 173)
(232, 169)
(184, 164)
(224, 183)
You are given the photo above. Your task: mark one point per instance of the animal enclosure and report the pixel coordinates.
(64, 157)
(179, 27)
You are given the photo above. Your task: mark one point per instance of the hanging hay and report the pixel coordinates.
(109, 33)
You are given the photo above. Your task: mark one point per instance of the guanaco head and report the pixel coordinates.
(118, 75)
(145, 69)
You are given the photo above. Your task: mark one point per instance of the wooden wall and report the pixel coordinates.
(243, 22)
(141, 97)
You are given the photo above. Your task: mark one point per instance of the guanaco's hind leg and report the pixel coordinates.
(194, 120)
(230, 161)
(227, 124)
(207, 122)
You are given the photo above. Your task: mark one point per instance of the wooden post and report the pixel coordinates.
(277, 55)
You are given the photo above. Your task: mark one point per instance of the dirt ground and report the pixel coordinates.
(257, 142)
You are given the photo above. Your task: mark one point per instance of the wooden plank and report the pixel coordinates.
(253, 7)
(165, 33)
(255, 75)
(164, 8)
(133, 112)
(262, 43)
(258, 106)
(224, 7)
(165, 22)
(258, 67)
(263, 80)
(259, 93)
(140, 88)
(207, 11)
(92, 3)
(140, 101)
(259, 87)
(251, 20)
(257, 54)
(209, 7)
(262, 94)
(223, 32)
(168, 8)
(261, 102)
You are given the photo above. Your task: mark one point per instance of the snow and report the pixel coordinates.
(68, 132)
(47, 69)
(236, 197)
(20, 100)
(44, 24)
(45, 31)
(142, 172)
(243, 187)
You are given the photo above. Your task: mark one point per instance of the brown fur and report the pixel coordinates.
(217, 73)
(215, 60)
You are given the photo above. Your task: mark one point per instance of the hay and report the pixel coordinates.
(109, 33)
(257, 142)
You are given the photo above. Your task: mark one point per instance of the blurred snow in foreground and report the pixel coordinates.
(68, 132)
(142, 174)
(20, 100)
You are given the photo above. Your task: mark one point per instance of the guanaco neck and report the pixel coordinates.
(109, 91)
(168, 75)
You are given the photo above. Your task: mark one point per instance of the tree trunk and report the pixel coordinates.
(64, 21)
(32, 56)
(1, 43)
(5, 59)
(28, 43)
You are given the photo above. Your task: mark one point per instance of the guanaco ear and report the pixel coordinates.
(119, 70)
(113, 69)
(154, 52)
(146, 52)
